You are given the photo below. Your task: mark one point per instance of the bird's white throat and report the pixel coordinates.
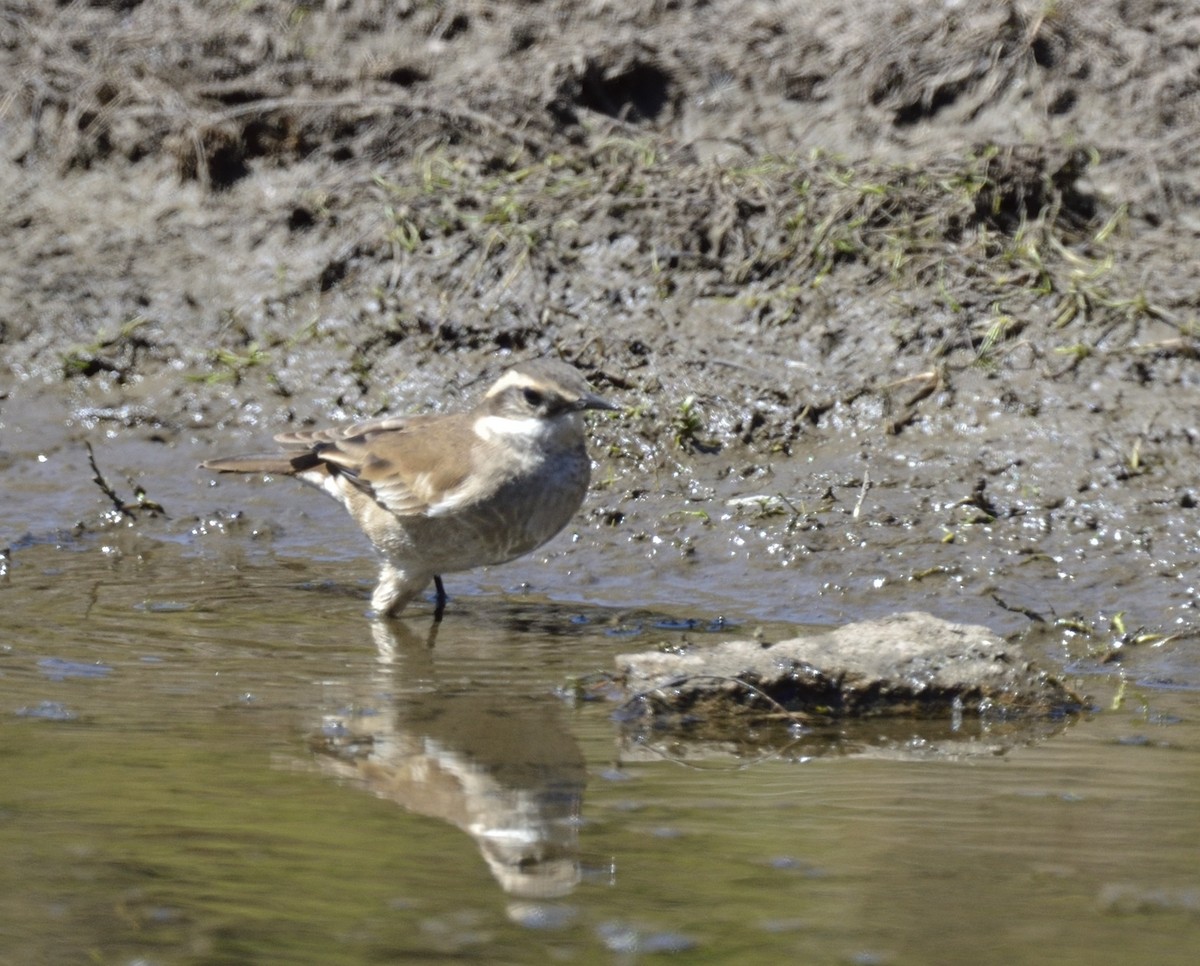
(524, 429)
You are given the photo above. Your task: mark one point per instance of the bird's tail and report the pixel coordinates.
(279, 464)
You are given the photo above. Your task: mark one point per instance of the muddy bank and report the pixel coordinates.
(900, 299)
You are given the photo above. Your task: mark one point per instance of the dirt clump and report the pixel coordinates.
(906, 665)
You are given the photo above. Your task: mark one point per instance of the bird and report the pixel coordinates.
(446, 493)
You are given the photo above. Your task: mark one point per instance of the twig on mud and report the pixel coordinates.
(760, 374)
(125, 508)
(268, 105)
(927, 381)
(1184, 345)
(1033, 615)
(98, 478)
(862, 493)
(797, 717)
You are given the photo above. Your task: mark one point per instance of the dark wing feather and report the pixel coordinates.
(308, 438)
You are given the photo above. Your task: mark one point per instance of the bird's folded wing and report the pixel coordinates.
(405, 463)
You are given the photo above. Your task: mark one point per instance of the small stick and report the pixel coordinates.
(118, 504)
(780, 712)
(862, 493)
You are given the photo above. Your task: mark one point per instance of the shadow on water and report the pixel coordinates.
(215, 757)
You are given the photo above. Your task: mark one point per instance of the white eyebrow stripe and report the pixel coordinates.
(510, 378)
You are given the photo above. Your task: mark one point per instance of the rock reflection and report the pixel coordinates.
(504, 768)
(885, 739)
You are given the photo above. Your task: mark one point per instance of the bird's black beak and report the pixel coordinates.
(590, 400)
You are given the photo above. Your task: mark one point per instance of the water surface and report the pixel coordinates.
(210, 755)
(207, 763)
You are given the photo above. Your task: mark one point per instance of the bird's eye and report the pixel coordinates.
(533, 397)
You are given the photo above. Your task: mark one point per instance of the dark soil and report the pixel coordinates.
(902, 296)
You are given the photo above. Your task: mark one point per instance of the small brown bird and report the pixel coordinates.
(439, 494)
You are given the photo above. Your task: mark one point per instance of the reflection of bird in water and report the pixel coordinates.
(439, 494)
(507, 772)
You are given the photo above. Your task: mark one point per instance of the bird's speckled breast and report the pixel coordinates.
(518, 517)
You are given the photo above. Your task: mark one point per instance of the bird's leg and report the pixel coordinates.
(393, 592)
(440, 598)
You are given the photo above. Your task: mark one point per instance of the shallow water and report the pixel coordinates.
(210, 755)
(216, 766)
